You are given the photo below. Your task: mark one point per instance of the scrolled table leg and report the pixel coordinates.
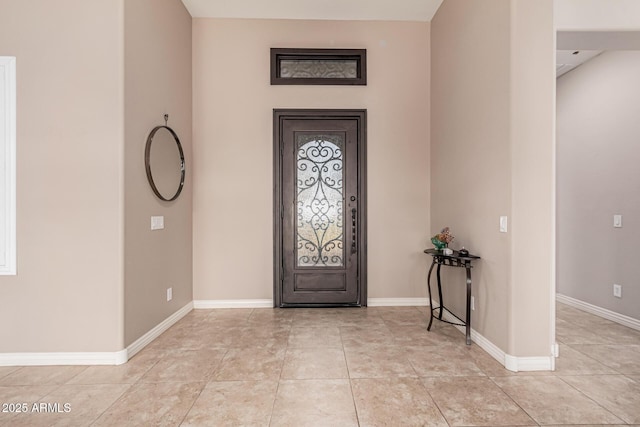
(430, 299)
(468, 321)
(439, 291)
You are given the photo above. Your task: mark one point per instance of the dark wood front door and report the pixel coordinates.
(319, 211)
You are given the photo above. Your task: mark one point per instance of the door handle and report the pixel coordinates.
(353, 231)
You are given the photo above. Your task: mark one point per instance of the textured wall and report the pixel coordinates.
(67, 295)
(598, 109)
(492, 155)
(233, 140)
(470, 153)
(157, 81)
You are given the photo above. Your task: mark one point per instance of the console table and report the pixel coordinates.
(453, 260)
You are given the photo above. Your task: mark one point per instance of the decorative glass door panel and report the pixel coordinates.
(319, 201)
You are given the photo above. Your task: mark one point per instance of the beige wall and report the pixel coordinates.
(157, 81)
(598, 128)
(470, 155)
(233, 139)
(67, 295)
(81, 236)
(84, 208)
(491, 155)
(532, 225)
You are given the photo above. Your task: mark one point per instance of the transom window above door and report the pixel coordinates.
(318, 66)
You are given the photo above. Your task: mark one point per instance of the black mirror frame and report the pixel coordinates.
(147, 163)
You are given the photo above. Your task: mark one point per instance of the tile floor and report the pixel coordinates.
(337, 367)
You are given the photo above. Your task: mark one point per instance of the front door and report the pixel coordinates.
(319, 230)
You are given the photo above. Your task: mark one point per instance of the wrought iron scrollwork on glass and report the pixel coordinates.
(319, 69)
(319, 200)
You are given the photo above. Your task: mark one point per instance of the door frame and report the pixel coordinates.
(279, 116)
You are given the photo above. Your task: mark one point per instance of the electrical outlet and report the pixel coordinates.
(617, 291)
(473, 303)
(169, 294)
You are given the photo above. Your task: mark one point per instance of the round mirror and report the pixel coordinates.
(164, 162)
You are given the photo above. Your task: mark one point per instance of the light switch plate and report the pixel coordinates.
(503, 224)
(617, 221)
(157, 222)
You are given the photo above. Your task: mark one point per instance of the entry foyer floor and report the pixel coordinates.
(338, 367)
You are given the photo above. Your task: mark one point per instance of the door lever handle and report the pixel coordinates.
(353, 231)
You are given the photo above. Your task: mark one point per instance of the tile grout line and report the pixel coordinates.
(186, 414)
(512, 399)
(591, 399)
(131, 386)
(353, 396)
(346, 323)
(596, 360)
(11, 371)
(275, 396)
(434, 401)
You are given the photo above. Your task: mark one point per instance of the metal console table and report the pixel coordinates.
(453, 260)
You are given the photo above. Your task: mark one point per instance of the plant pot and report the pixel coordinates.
(438, 244)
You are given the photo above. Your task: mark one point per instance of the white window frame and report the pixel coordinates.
(7, 165)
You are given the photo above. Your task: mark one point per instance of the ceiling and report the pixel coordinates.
(601, 40)
(341, 10)
(577, 47)
(567, 60)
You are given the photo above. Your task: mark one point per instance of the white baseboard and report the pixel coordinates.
(154, 333)
(599, 311)
(398, 302)
(233, 303)
(528, 364)
(512, 363)
(57, 359)
(93, 358)
(267, 303)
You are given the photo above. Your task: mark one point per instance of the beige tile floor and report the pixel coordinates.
(337, 367)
